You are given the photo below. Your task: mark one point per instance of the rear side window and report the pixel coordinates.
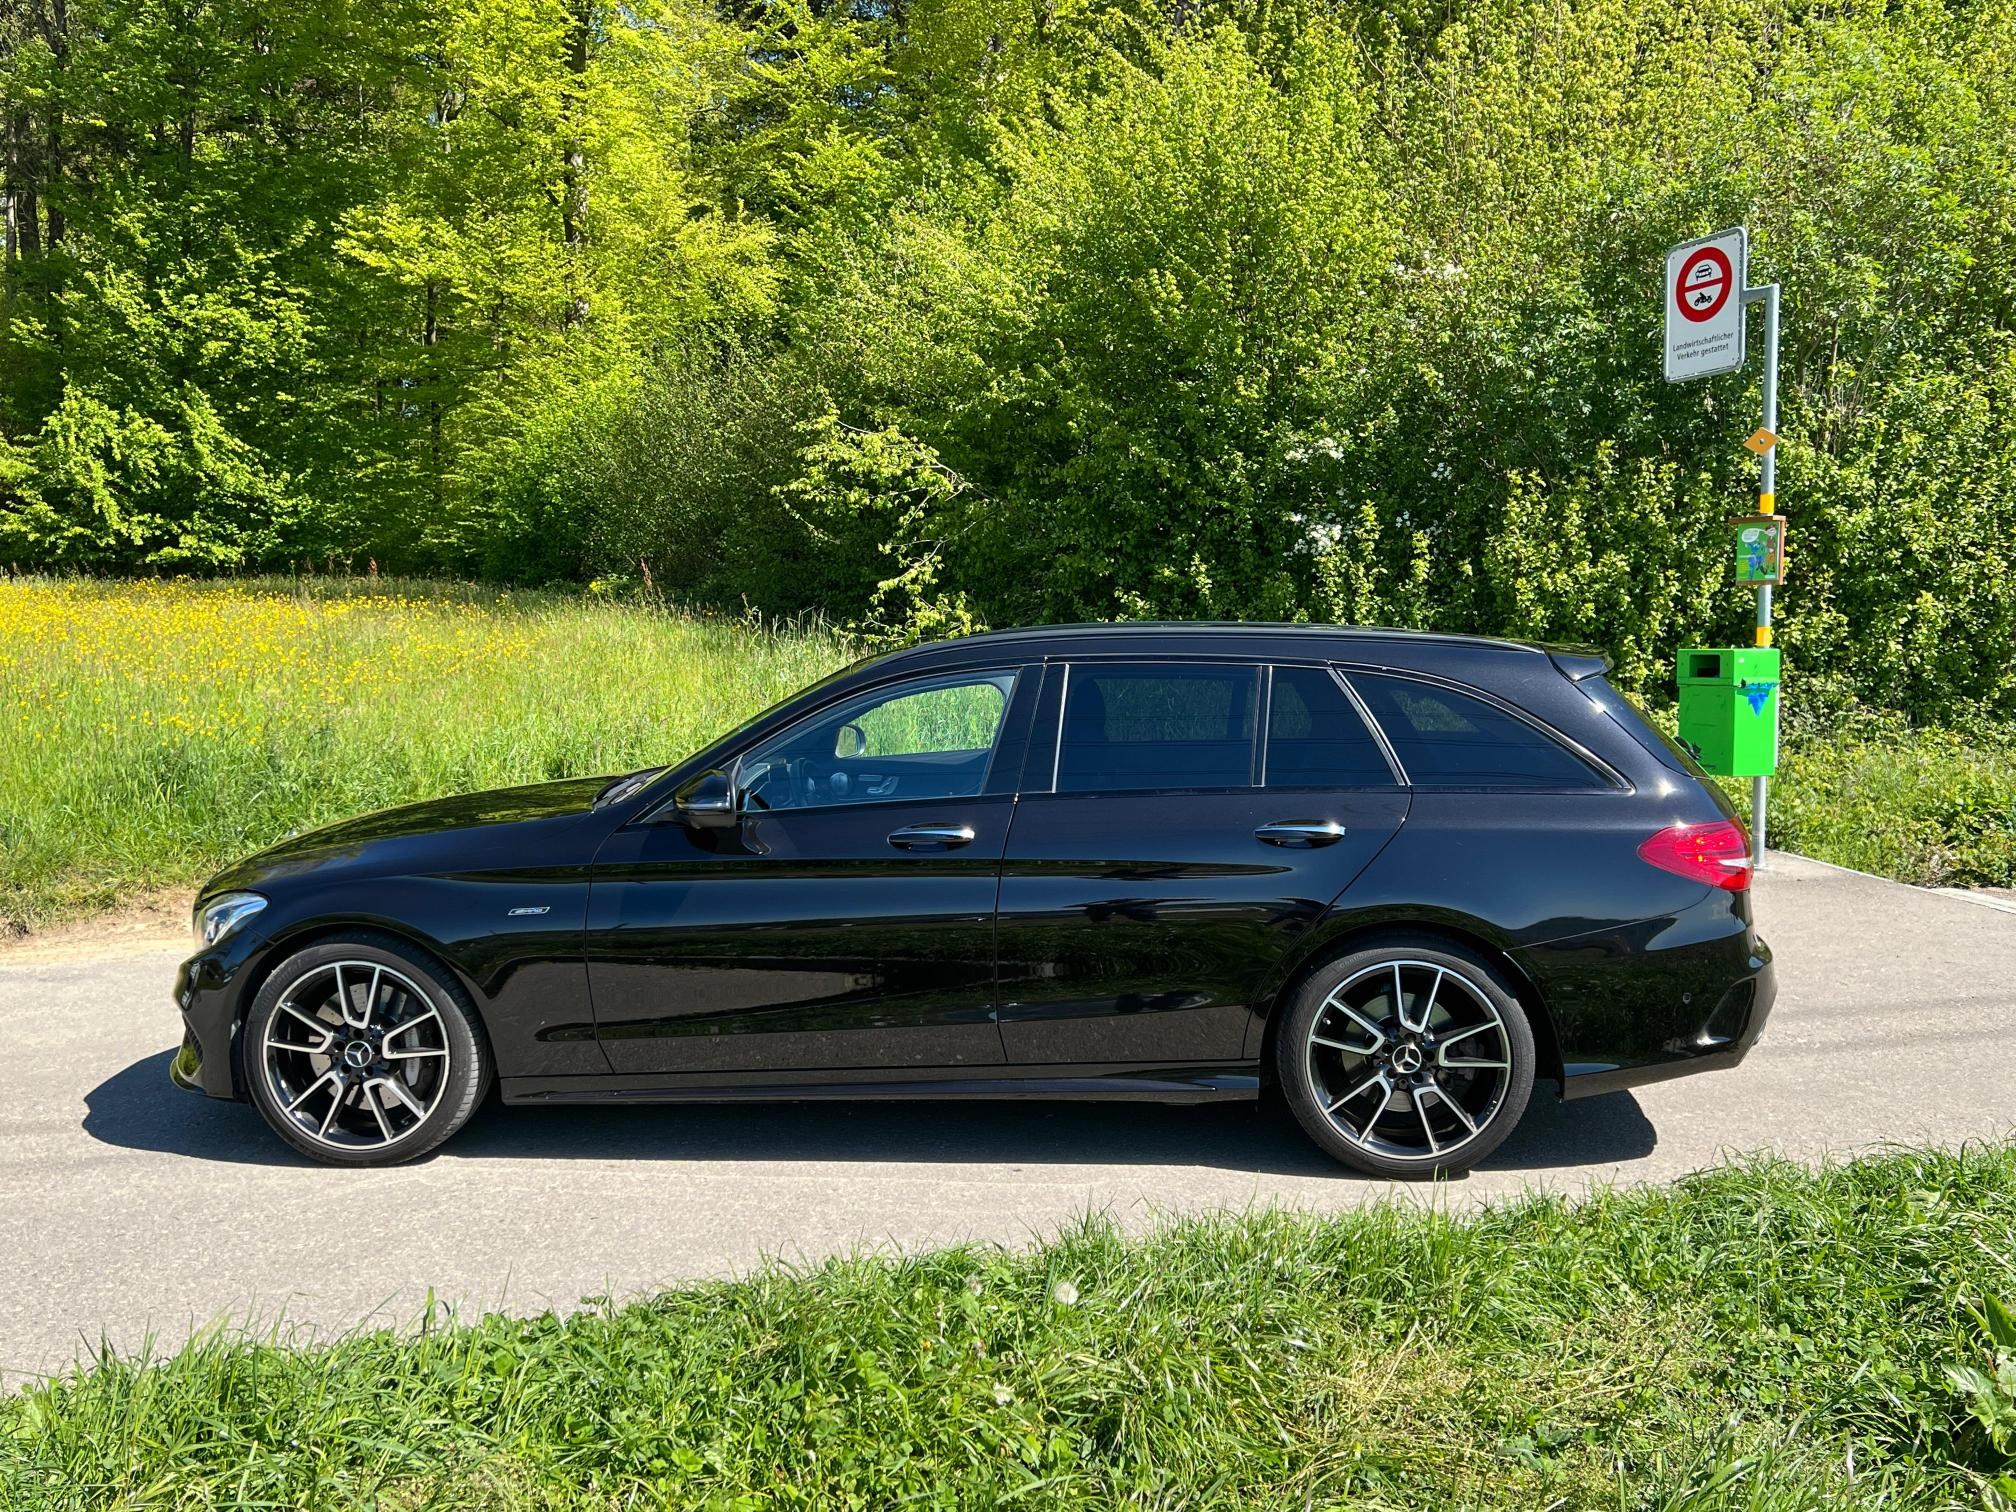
(1447, 739)
(1641, 729)
(1316, 737)
(1130, 727)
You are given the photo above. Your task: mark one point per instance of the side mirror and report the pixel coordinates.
(848, 741)
(707, 801)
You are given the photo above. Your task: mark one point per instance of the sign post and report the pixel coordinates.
(1708, 296)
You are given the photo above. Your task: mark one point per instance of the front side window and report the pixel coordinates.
(928, 738)
(1157, 725)
(1316, 737)
(1449, 739)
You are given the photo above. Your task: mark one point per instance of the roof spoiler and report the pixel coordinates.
(1579, 663)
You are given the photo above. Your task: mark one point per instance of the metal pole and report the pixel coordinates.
(1767, 503)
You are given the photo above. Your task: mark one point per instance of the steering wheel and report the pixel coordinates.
(802, 778)
(808, 782)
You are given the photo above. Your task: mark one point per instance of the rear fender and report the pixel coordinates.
(1343, 930)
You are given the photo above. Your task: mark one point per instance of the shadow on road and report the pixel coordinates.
(139, 1109)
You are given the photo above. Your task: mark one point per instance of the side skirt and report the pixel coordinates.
(1155, 1084)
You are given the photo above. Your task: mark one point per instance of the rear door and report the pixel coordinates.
(1181, 823)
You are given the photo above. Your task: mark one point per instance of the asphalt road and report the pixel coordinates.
(129, 1210)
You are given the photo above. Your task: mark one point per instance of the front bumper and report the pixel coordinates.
(206, 992)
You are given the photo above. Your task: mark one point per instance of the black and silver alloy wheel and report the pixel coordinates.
(357, 1056)
(1407, 1061)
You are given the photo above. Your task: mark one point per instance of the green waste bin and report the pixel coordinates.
(1729, 708)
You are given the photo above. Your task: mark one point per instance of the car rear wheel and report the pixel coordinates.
(359, 1054)
(1407, 1057)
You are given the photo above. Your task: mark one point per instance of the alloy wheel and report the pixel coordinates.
(1409, 1060)
(355, 1055)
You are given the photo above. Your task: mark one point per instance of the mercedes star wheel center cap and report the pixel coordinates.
(1407, 1059)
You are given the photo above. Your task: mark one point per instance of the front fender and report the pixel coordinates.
(513, 942)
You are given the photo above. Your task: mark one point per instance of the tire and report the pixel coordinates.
(379, 1081)
(1344, 1065)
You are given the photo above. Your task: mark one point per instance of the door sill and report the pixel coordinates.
(1164, 1084)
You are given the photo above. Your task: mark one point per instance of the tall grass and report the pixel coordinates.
(1927, 806)
(1763, 1338)
(150, 731)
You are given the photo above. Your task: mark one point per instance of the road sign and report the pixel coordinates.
(1761, 441)
(1704, 305)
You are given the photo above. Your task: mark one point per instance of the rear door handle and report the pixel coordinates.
(1302, 834)
(932, 837)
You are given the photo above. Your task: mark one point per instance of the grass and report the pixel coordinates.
(1927, 806)
(151, 732)
(1760, 1337)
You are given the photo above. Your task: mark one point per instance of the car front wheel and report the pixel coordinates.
(358, 1054)
(1407, 1057)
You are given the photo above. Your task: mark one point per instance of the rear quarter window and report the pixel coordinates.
(1644, 729)
(1449, 739)
(1315, 737)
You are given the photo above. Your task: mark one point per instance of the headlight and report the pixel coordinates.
(220, 915)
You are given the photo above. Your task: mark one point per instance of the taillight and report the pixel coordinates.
(1717, 853)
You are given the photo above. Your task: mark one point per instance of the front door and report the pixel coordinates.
(1148, 896)
(845, 923)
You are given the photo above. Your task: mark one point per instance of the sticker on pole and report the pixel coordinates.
(1704, 305)
(1760, 548)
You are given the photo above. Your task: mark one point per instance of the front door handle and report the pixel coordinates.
(932, 837)
(1301, 834)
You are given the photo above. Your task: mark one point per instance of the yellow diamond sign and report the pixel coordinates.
(1761, 441)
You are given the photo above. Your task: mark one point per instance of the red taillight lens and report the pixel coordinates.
(1716, 853)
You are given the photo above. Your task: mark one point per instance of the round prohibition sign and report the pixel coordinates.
(1704, 284)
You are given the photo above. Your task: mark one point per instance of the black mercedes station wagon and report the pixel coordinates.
(1396, 876)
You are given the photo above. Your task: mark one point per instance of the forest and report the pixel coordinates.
(919, 315)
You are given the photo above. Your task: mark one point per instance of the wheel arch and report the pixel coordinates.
(285, 946)
(1346, 937)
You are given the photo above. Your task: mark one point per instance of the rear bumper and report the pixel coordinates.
(1712, 1054)
(1661, 999)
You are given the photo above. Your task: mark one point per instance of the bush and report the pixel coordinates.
(1234, 309)
(1923, 806)
(1363, 324)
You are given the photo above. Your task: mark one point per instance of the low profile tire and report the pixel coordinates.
(362, 1054)
(1408, 1057)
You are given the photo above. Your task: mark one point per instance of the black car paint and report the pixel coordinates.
(1122, 944)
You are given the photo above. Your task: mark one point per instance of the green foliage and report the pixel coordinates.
(946, 312)
(1761, 1337)
(1925, 806)
(171, 487)
(1990, 1388)
(879, 506)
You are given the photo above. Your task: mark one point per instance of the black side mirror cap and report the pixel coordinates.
(707, 801)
